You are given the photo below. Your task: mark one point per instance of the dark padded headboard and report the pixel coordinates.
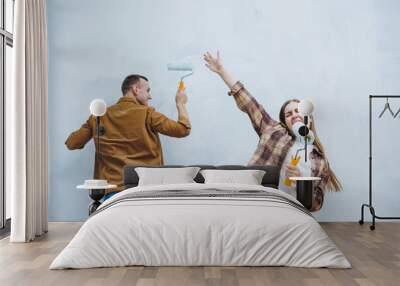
(271, 177)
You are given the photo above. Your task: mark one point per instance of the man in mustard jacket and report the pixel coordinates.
(131, 131)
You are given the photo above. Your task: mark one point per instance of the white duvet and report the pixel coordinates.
(200, 231)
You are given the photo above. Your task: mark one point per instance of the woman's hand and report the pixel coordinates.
(213, 64)
(292, 171)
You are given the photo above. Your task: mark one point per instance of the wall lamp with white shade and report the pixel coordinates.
(98, 108)
(304, 185)
(306, 108)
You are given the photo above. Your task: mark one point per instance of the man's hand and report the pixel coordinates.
(181, 98)
(292, 171)
(213, 64)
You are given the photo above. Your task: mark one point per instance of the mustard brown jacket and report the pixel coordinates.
(131, 137)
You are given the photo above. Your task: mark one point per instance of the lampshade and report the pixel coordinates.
(98, 107)
(305, 107)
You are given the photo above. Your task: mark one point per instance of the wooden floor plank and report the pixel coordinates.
(374, 255)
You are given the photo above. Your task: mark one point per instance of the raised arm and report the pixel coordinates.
(169, 127)
(260, 119)
(215, 65)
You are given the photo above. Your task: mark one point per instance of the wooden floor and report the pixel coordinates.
(374, 255)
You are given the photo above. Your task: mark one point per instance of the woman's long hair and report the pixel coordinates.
(333, 182)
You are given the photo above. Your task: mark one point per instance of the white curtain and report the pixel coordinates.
(27, 123)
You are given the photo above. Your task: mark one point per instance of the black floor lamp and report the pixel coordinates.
(98, 108)
(304, 185)
(305, 108)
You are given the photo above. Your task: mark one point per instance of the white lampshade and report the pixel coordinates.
(305, 107)
(98, 107)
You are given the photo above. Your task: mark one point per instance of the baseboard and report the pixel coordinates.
(5, 231)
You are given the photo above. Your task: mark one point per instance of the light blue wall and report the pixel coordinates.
(334, 52)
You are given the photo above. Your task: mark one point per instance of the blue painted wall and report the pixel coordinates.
(334, 52)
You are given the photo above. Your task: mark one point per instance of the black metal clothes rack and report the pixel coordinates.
(370, 205)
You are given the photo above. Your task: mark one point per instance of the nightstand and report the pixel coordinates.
(96, 193)
(304, 189)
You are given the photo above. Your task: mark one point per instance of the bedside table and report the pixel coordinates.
(304, 189)
(96, 193)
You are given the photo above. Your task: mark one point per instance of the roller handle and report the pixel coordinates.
(181, 86)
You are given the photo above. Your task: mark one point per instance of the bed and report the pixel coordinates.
(199, 224)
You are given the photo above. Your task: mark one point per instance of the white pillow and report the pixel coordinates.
(165, 176)
(248, 177)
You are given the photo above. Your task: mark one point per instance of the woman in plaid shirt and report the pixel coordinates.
(276, 137)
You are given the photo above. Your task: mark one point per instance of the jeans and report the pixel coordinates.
(108, 195)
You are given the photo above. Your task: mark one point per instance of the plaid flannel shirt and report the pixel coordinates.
(275, 141)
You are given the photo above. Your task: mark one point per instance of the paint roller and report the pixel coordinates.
(182, 67)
